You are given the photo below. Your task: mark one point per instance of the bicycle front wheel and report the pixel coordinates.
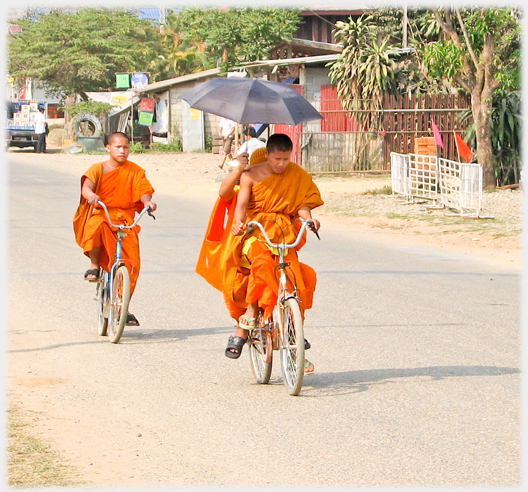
(260, 353)
(119, 304)
(292, 346)
(101, 296)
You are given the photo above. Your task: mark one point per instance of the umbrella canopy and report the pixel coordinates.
(248, 100)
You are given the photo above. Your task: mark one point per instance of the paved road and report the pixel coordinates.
(416, 355)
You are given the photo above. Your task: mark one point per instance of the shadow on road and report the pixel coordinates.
(332, 384)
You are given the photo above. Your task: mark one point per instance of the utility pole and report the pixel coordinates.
(163, 18)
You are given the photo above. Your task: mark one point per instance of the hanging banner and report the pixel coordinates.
(147, 104)
(139, 80)
(122, 81)
(145, 118)
(119, 100)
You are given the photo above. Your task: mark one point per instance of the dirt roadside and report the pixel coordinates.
(384, 216)
(356, 200)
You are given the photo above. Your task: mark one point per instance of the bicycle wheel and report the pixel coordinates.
(118, 304)
(292, 346)
(260, 353)
(101, 296)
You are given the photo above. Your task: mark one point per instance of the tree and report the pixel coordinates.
(480, 54)
(365, 70)
(72, 53)
(471, 50)
(185, 53)
(230, 36)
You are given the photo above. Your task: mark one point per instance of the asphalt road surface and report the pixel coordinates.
(416, 352)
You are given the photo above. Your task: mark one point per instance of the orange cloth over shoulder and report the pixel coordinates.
(218, 237)
(278, 198)
(121, 190)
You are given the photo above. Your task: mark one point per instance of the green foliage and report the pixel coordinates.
(233, 35)
(175, 146)
(443, 60)
(137, 148)
(97, 108)
(366, 69)
(71, 53)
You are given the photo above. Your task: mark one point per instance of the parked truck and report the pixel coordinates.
(20, 127)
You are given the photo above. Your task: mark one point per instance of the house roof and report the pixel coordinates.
(301, 60)
(163, 84)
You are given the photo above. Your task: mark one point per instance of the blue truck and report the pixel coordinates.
(20, 127)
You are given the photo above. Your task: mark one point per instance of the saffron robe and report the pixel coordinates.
(279, 198)
(121, 190)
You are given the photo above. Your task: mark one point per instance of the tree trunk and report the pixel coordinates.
(481, 107)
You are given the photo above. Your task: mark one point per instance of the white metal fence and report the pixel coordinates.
(422, 176)
(461, 185)
(454, 185)
(400, 173)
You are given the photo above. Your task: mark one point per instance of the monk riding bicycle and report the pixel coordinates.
(113, 287)
(284, 330)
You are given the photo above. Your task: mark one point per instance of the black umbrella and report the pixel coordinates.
(248, 100)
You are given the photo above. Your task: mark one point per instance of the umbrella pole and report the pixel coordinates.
(236, 139)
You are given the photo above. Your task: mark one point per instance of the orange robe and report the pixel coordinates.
(121, 190)
(278, 197)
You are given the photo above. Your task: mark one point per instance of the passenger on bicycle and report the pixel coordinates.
(272, 188)
(123, 187)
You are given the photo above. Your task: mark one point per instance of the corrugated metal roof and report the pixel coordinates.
(163, 84)
(149, 13)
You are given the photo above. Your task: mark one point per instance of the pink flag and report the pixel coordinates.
(437, 136)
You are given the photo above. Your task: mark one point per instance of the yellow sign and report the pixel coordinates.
(118, 100)
(195, 114)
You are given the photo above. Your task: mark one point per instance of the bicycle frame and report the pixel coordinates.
(119, 248)
(282, 248)
(284, 292)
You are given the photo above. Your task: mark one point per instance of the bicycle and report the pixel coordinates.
(113, 287)
(284, 331)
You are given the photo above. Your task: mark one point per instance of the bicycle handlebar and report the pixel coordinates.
(124, 226)
(305, 224)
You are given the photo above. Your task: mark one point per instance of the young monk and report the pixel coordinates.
(123, 187)
(229, 272)
(281, 191)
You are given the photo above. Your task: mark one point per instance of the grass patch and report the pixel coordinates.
(31, 462)
(386, 190)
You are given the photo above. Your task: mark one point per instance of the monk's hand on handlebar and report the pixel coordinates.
(313, 227)
(149, 211)
(237, 228)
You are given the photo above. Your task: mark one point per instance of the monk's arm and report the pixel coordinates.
(305, 213)
(146, 199)
(227, 191)
(243, 199)
(87, 191)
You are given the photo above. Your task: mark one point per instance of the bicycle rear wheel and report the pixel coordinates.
(119, 304)
(101, 296)
(260, 353)
(292, 346)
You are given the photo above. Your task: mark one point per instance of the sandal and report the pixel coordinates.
(234, 343)
(92, 275)
(131, 320)
(247, 325)
(308, 367)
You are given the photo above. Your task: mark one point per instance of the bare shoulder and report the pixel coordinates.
(259, 172)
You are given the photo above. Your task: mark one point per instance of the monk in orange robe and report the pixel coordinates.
(123, 187)
(242, 268)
